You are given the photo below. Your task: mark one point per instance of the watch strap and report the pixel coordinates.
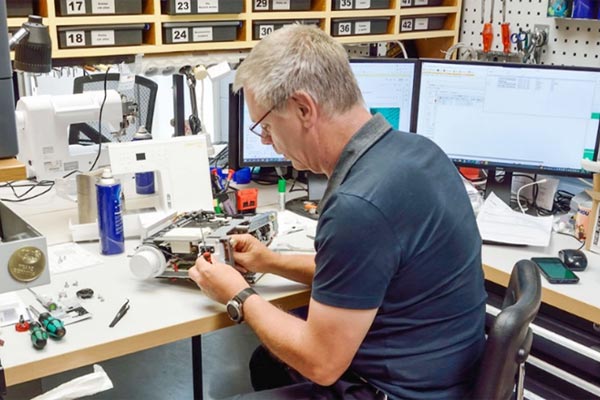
(244, 294)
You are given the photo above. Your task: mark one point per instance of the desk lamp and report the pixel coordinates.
(33, 53)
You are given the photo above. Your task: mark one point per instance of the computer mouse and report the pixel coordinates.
(573, 259)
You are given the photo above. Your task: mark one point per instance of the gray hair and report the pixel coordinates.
(299, 57)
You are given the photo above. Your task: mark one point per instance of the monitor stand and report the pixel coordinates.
(316, 185)
(502, 188)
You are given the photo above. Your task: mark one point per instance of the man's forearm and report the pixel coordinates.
(296, 267)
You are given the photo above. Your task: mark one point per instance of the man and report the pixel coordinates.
(397, 295)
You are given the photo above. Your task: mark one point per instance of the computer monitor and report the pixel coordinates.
(512, 117)
(387, 86)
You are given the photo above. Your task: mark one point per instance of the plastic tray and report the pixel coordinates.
(19, 8)
(280, 5)
(360, 4)
(359, 26)
(420, 3)
(100, 35)
(98, 7)
(182, 7)
(422, 23)
(262, 28)
(189, 32)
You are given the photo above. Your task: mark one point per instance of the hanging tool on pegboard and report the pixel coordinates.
(488, 31)
(505, 29)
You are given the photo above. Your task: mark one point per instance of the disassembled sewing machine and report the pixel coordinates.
(171, 251)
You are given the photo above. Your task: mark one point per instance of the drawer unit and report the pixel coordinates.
(100, 35)
(359, 26)
(281, 5)
(422, 23)
(260, 29)
(19, 8)
(360, 4)
(179, 7)
(420, 3)
(98, 7)
(191, 32)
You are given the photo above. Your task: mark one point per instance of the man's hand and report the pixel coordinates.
(251, 255)
(218, 281)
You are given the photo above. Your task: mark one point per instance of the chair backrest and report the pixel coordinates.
(509, 338)
(143, 93)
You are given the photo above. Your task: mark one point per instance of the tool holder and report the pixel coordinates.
(593, 221)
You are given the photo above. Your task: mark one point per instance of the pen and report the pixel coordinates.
(122, 311)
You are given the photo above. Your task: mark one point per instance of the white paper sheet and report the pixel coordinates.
(499, 223)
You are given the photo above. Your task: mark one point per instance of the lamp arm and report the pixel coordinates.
(21, 34)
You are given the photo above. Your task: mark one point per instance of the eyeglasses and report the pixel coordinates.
(257, 128)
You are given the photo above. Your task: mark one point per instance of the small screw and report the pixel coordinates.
(66, 285)
(62, 294)
(76, 283)
(101, 298)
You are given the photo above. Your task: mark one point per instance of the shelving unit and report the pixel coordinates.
(429, 42)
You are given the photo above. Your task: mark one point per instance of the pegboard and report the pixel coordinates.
(570, 41)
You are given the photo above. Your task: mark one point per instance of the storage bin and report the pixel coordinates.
(360, 4)
(191, 32)
(281, 5)
(98, 7)
(422, 23)
(100, 35)
(262, 28)
(178, 7)
(359, 26)
(420, 3)
(19, 8)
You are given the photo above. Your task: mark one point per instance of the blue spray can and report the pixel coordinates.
(144, 181)
(110, 219)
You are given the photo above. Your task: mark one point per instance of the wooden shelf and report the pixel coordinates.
(320, 9)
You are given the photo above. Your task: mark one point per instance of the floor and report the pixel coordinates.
(165, 372)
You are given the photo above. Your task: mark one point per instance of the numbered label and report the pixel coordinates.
(406, 25)
(75, 7)
(202, 34)
(208, 6)
(265, 30)
(406, 3)
(362, 27)
(420, 2)
(346, 4)
(180, 35)
(183, 6)
(281, 5)
(75, 38)
(261, 5)
(421, 24)
(345, 28)
(362, 4)
(103, 38)
(103, 6)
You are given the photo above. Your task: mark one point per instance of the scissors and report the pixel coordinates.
(520, 39)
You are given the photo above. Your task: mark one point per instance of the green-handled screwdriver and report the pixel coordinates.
(54, 327)
(39, 337)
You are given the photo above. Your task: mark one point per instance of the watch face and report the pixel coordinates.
(233, 309)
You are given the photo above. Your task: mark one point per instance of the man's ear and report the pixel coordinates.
(306, 107)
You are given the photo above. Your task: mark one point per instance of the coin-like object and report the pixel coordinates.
(27, 264)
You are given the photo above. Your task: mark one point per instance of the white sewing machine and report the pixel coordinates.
(43, 130)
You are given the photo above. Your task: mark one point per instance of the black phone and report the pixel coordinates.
(554, 270)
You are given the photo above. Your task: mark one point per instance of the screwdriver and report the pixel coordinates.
(53, 326)
(505, 26)
(39, 337)
(488, 31)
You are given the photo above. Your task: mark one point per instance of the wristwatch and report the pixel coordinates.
(234, 306)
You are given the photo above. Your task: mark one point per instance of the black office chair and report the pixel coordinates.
(509, 338)
(143, 93)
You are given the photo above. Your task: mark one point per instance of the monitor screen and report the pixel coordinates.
(387, 86)
(529, 118)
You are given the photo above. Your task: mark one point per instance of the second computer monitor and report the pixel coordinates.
(387, 86)
(537, 119)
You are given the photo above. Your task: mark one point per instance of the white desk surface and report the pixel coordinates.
(581, 299)
(161, 311)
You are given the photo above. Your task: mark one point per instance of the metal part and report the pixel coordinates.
(170, 252)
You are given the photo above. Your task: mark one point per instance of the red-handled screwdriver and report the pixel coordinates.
(505, 26)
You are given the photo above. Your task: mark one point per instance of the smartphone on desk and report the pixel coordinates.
(554, 270)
